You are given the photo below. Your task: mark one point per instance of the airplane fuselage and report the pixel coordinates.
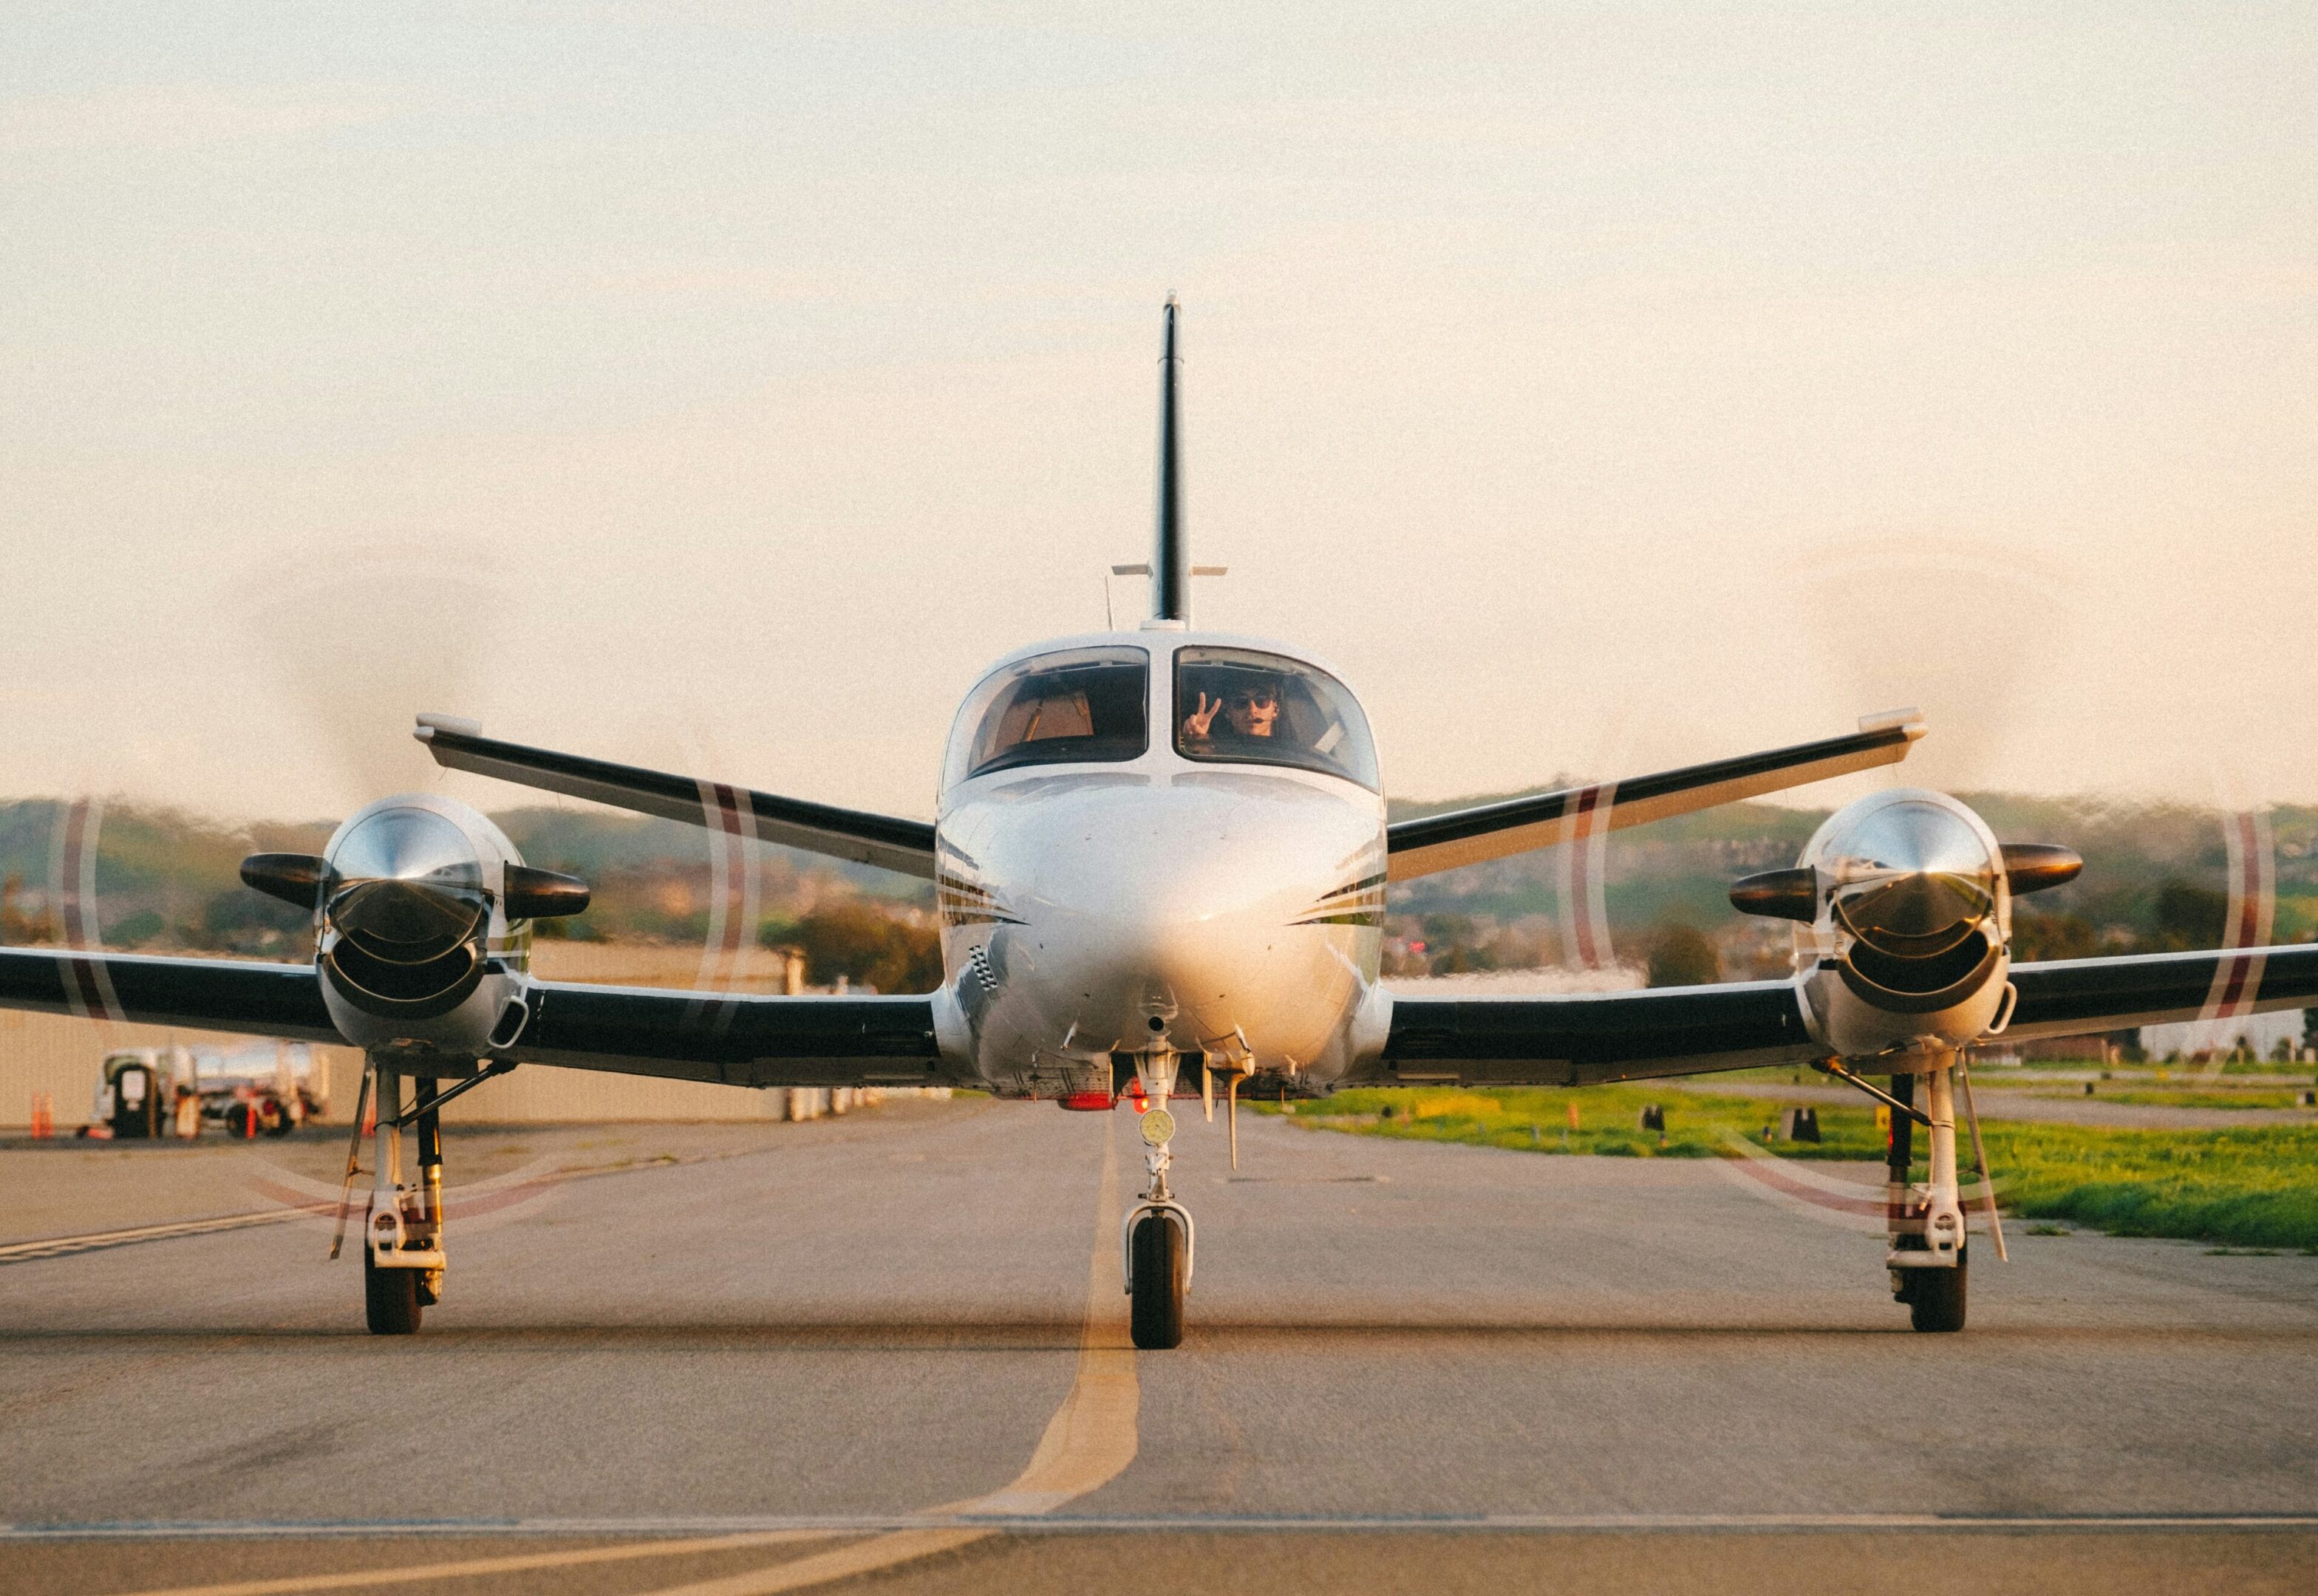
(1184, 889)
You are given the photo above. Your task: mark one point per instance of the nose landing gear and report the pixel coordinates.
(402, 1239)
(1928, 1259)
(1156, 1236)
(402, 1230)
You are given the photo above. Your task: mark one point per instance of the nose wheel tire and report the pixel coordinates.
(1156, 1315)
(390, 1298)
(1935, 1298)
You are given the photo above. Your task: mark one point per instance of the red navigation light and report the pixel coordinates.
(1087, 1102)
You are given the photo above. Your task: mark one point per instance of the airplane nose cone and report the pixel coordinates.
(1182, 910)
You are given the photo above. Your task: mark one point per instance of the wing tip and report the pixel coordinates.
(1908, 720)
(429, 721)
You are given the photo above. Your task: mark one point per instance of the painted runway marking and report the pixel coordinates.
(1093, 1436)
(736, 1531)
(531, 1184)
(1089, 1441)
(473, 1567)
(97, 1240)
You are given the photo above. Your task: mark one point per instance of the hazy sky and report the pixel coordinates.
(1601, 386)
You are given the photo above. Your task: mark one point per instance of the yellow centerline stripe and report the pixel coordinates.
(1087, 1444)
(468, 1568)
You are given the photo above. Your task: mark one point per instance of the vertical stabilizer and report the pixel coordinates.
(1170, 568)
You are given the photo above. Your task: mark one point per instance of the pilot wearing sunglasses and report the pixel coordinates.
(1250, 709)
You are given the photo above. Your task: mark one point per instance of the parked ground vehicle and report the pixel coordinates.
(256, 1087)
(137, 1092)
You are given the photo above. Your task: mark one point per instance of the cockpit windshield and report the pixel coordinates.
(1240, 707)
(1083, 706)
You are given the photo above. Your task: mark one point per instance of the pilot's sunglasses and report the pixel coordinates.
(1249, 699)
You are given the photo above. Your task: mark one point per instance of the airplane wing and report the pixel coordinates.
(886, 840)
(738, 1040)
(1493, 831)
(1582, 1039)
(2074, 997)
(261, 999)
(1564, 1040)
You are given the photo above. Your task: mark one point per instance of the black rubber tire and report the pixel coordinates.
(390, 1298)
(1936, 1303)
(1156, 1318)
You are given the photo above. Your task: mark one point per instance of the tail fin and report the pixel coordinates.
(1170, 570)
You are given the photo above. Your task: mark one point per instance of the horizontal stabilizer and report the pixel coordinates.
(1495, 831)
(895, 843)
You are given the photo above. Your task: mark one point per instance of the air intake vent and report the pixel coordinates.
(420, 991)
(1920, 986)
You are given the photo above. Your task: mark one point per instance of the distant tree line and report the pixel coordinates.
(869, 944)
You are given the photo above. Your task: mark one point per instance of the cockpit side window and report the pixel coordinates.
(1083, 706)
(1238, 706)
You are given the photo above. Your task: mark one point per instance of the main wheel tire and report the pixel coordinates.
(390, 1298)
(1157, 1315)
(1936, 1303)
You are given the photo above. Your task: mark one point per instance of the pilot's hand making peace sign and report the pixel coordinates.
(1197, 722)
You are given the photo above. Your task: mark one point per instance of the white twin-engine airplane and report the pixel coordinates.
(1161, 858)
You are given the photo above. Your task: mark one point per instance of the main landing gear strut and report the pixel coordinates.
(402, 1233)
(1928, 1256)
(402, 1227)
(1156, 1235)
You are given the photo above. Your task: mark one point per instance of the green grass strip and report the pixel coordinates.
(2252, 1187)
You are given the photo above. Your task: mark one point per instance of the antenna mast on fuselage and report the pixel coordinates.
(1170, 570)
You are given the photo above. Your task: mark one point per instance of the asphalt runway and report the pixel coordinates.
(890, 1349)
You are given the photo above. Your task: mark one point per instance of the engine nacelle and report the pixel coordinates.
(422, 913)
(1904, 902)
